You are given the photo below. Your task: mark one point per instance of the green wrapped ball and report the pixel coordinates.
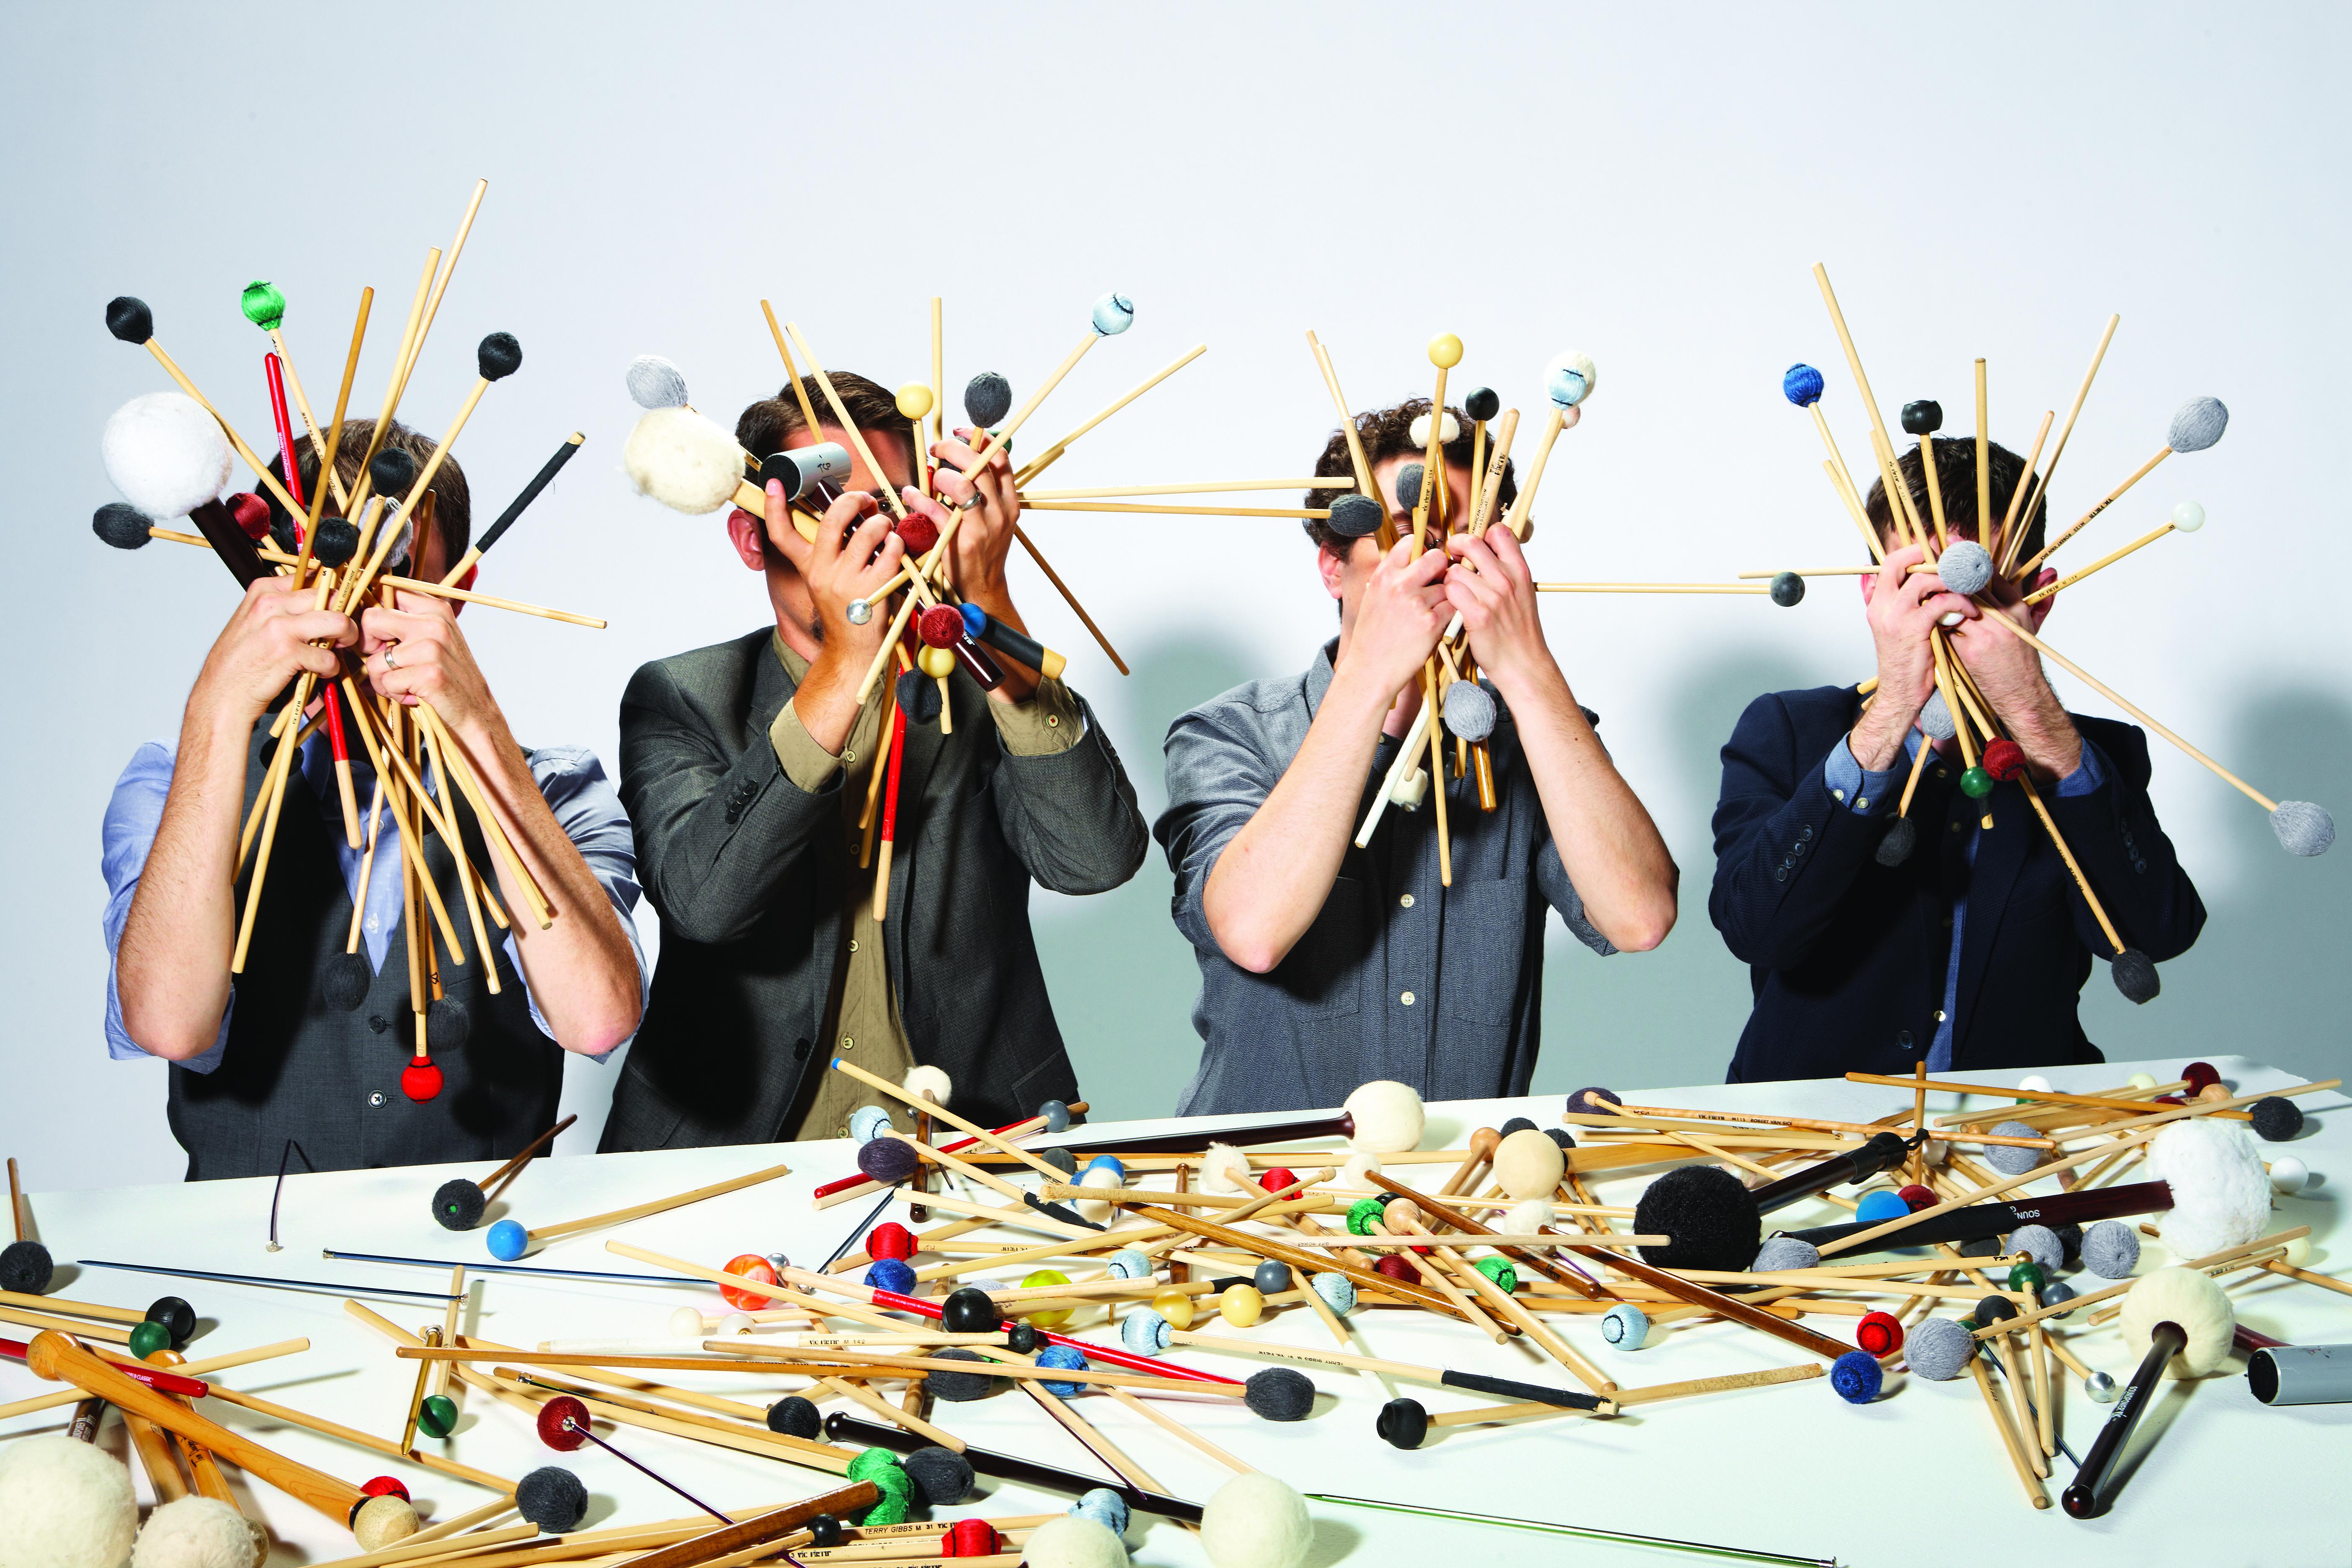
(1499, 1270)
(264, 305)
(1976, 784)
(148, 1338)
(2027, 1277)
(881, 1467)
(1361, 1214)
(437, 1417)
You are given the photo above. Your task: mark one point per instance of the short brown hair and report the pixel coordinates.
(1386, 433)
(1956, 476)
(453, 504)
(763, 427)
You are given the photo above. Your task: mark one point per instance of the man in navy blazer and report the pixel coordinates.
(1969, 951)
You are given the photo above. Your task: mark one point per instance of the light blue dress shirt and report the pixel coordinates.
(570, 778)
(1868, 794)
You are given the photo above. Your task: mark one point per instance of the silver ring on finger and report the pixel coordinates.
(387, 660)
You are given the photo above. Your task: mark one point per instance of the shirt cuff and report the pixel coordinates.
(1045, 725)
(2089, 775)
(1860, 792)
(807, 763)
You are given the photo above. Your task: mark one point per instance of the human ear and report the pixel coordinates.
(749, 535)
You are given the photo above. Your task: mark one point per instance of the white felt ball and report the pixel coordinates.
(2188, 1297)
(2188, 517)
(1096, 1209)
(1225, 1169)
(1449, 433)
(1568, 379)
(929, 1083)
(2220, 1194)
(1526, 1218)
(1388, 1117)
(2288, 1174)
(2034, 1083)
(165, 454)
(63, 1504)
(1528, 1165)
(682, 460)
(2141, 1080)
(1070, 1541)
(1355, 1172)
(199, 1532)
(1255, 1521)
(383, 1521)
(686, 1323)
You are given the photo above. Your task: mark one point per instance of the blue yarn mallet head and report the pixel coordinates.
(1105, 1507)
(865, 1123)
(1131, 1263)
(1801, 385)
(1857, 1377)
(891, 1273)
(1625, 1326)
(1339, 1292)
(1113, 314)
(1063, 1358)
(1144, 1332)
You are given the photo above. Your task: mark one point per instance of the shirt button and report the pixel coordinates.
(377, 1097)
(1053, 721)
(853, 944)
(1939, 1014)
(374, 924)
(1837, 794)
(847, 1044)
(1406, 998)
(1939, 773)
(841, 1132)
(1861, 803)
(1405, 902)
(848, 756)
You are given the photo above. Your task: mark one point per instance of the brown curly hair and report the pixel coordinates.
(1386, 433)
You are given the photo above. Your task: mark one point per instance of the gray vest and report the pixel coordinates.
(298, 1068)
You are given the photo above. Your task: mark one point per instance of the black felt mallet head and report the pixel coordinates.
(128, 317)
(27, 1269)
(1902, 835)
(448, 1025)
(343, 983)
(1922, 418)
(987, 398)
(1482, 403)
(1408, 485)
(552, 1497)
(335, 543)
(794, 1417)
(390, 472)
(123, 525)
(1403, 1423)
(457, 1205)
(498, 356)
(1279, 1394)
(2135, 976)
(1709, 1215)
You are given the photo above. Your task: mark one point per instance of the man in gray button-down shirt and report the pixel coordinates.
(1323, 965)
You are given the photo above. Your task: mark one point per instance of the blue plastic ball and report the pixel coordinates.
(1114, 313)
(1880, 1203)
(1065, 1359)
(891, 1273)
(975, 619)
(507, 1241)
(1625, 1326)
(1106, 1162)
(1857, 1377)
(1801, 385)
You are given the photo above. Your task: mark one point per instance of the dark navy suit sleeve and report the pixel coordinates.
(1786, 849)
(2124, 851)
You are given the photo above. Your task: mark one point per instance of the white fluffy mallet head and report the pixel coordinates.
(1355, 1172)
(2220, 1194)
(1527, 1217)
(1255, 1521)
(1527, 1164)
(1225, 1169)
(165, 454)
(1073, 1541)
(683, 460)
(654, 382)
(1098, 1209)
(929, 1083)
(1448, 433)
(199, 1532)
(1568, 379)
(2190, 1298)
(1388, 1115)
(64, 1504)
(2302, 828)
(1966, 567)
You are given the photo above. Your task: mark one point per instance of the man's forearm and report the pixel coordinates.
(2040, 725)
(172, 964)
(1272, 879)
(581, 971)
(1607, 843)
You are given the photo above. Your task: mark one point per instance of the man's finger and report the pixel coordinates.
(785, 537)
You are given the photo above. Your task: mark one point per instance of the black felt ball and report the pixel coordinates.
(958, 1387)
(1516, 1125)
(448, 1025)
(337, 540)
(390, 472)
(1583, 1101)
(344, 983)
(1788, 589)
(1483, 404)
(1560, 1135)
(2135, 976)
(1902, 835)
(887, 1161)
(552, 1498)
(919, 697)
(128, 317)
(1063, 1161)
(1279, 1394)
(498, 356)
(969, 1311)
(121, 524)
(1403, 1423)
(942, 1477)
(794, 1417)
(2276, 1119)
(26, 1267)
(457, 1205)
(1021, 1338)
(1710, 1216)
(1993, 1310)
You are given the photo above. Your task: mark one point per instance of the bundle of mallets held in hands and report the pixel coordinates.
(1948, 1268)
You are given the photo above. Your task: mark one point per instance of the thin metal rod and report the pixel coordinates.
(326, 1287)
(517, 1268)
(572, 1426)
(1577, 1530)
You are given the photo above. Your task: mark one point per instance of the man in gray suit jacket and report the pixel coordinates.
(745, 767)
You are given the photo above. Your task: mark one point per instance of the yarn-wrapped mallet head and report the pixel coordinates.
(1801, 385)
(987, 399)
(264, 305)
(1568, 380)
(654, 382)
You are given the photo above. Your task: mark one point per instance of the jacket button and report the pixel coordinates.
(1780, 872)
(1805, 834)
(1902, 1037)
(377, 1097)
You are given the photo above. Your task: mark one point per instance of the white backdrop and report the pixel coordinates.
(1651, 186)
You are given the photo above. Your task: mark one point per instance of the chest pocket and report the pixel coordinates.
(1324, 973)
(1485, 947)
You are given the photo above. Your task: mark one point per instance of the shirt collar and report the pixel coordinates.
(1318, 676)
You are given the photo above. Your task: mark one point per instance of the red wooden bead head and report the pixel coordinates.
(564, 1423)
(1880, 1333)
(385, 1486)
(2004, 759)
(891, 1240)
(2199, 1075)
(941, 626)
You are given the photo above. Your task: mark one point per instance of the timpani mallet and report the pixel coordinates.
(506, 520)
(457, 1203)
(510, 1241)
(26, 1266)
(2197, 425)
(130, 320)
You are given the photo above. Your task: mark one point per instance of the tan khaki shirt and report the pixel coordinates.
(862, 1016)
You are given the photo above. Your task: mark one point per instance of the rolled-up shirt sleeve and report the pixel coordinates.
(1859, 791)
(134, 814)
(1048, 722)
(1216, 783)
(589, 810)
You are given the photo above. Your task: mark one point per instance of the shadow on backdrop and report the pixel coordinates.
(1671, 1016)
(1122, 979)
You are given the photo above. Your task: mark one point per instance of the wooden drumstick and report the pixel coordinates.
(1646, 588)
(392, 387)
(792, 377)
(841, 411)
(1436, 1278)
(58, 1358)
(2041, 484)
(2008, 539)
(1481, 1151)
(1206, 486)
(1145, 507)
(424, 1371)
(546, 1232)
(334, 435)
(491, 1183)
(1070, 599)
(2025, 1473)
(490, 367)
(1053, 454)
(901, 1094)
(2150, 537)
(465, 883)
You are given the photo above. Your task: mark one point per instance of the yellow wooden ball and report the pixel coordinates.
(1175, 1306)
(914, 400)
(1240, 1305)
(1048, 1320)
(936, 661)
(1446, 350)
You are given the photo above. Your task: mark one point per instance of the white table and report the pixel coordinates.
(1917, 1477)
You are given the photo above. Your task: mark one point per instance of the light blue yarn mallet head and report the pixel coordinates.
(1144, 1332)
(1114, 313)
(1568, 379)
(1339, 1292)
(1625, 1326)
(865, 1123)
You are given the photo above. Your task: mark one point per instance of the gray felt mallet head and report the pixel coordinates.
(1355, 516)
(1469, 711)
(987, 398)
(1788, 589)
(1408, 485)
(1936, 719)
(654, 382)
(1902, 835)
(2198, 425)
(1966, 567)
(123, 525)
(2302, 828)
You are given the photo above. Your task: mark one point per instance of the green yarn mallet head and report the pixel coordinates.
(265, 307)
